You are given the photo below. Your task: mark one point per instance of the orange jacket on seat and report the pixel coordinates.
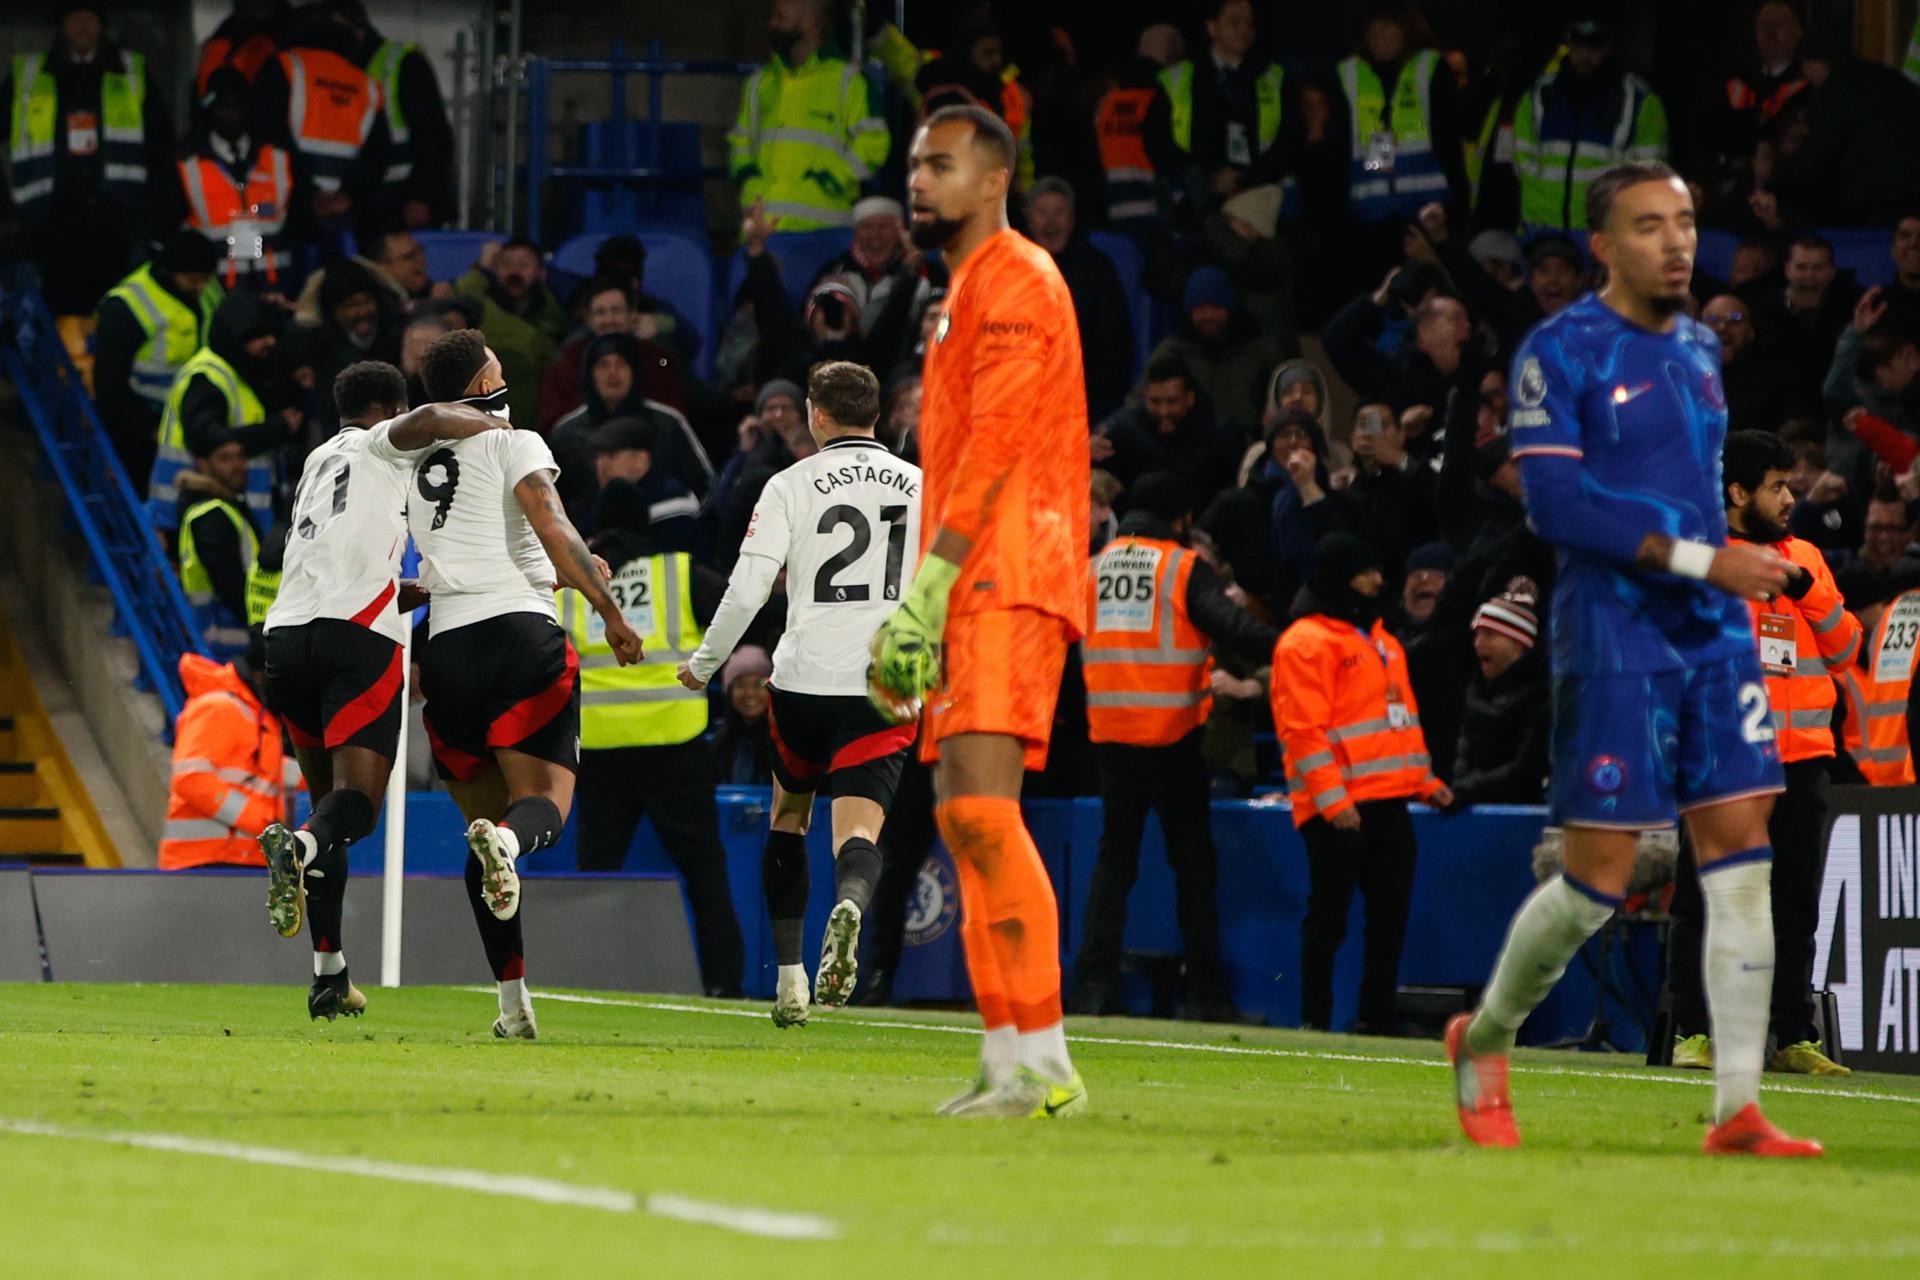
(1822, 638)
(231, 773)
(1349, 727)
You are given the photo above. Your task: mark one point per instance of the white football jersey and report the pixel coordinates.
(347, 533)
(479, 555)
(846, 523)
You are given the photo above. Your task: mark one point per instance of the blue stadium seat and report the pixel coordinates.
(679, 270)
(1715, 254)
(1868, 252)
(801, 255)
(1132, 266)
(450, 253)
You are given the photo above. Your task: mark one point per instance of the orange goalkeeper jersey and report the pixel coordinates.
(1003, 434)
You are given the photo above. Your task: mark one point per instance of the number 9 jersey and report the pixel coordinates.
(846, 523)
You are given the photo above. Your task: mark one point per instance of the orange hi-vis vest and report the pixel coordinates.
(247, 57)
(1803, 643)
(245, 224)
(1876, 730)
(1349, 727)
(231, 773)
(1148, 668)
(1120, 123)
(331, 109)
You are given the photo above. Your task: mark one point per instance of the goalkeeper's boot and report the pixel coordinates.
(1480, 1090)
(334, 994)
(286, 853)
(790, 999)
(1749, 1134)
(1805, 1059)
(1693, 1052)
(960, 1104)
(839, 964)
(1029, 1096)
(499, 881)
(518, 1025)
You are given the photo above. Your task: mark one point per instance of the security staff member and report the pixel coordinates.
(231, 771)
(220, 393)
(239, 187)
(86, 141)
(1350, 731)
(146, 328)
(263, 580)
(1805, 637)
(643, 749)
(313, 99)
(1120, 127)
(416, 169)
(1878, 690)
(805, 138)
(1403, 124)
(1214, 129)
(219, 546)
(1581, 118)
(1156, 609)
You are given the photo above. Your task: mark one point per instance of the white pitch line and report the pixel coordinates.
(747, 1220)
(1701, 1080)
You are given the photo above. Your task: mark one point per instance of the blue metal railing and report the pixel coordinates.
(625, 167)
(149, 606)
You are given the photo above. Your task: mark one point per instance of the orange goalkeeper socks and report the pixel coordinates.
(1004, 887)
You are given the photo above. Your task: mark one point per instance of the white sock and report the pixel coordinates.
(1549, 927)
(1044, 1052)
(999, 1054)
(328, 963)
(1737, 956)
(791, 975)
(309, 847)
(509, 840)
(513, 994)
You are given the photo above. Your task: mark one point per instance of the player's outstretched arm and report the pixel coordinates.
(418, 428)
(572, 561)
(748, 588)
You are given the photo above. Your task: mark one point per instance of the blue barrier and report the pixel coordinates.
(149, 607)
(1473, 872)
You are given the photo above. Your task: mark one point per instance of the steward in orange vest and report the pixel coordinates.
(238, 187)
(231, 772)
(244, 40)
(1350, 731)
(1805, 638)
(1156, 609)
(1120, 127)
(313, 100)
(1877, 687)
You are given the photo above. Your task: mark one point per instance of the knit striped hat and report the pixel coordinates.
(1512, 615)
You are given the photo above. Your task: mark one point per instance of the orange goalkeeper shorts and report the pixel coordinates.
(1000, 673)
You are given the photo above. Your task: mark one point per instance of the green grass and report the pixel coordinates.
(1289, 1161)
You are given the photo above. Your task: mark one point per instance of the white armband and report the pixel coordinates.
(1691, 559)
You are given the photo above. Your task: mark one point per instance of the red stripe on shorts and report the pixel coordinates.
(464, 767)
(801, 770)
(523, 718)
(301, 738)
(875, 746)
(368, 707)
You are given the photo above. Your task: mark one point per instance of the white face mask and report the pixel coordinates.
(495, 404)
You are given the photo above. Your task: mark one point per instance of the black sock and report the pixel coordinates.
(536, 821)
(856, 869)
(501, 938)
(341, 817)
(783, 875)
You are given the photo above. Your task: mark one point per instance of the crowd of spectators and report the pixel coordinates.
(1340, 254)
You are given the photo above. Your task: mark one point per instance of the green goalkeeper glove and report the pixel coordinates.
(906, 649)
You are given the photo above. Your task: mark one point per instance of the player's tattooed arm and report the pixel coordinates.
(421, 427)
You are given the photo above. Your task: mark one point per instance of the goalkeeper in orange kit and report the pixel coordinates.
(981, 636)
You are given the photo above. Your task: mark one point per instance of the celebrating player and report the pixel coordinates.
(840, 523)
(333, 650)
(503, 705)
(1618, 418)
(1003, 438)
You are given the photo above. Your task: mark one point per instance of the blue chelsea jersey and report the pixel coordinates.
(1645, 415)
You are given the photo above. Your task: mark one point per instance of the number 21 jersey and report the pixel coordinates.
(846, 523)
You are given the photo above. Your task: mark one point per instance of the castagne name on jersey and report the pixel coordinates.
(866, 473)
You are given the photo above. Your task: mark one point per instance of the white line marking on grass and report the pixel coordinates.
(747, 1221)
(1701, 1079)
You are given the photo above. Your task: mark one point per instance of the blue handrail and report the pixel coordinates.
(147, 600)
(655, 66)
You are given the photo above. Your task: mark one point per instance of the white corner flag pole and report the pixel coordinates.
(394, 873)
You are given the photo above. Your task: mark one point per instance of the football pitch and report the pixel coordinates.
(215, 1132)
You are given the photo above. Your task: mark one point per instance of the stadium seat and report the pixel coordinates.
(801, 255)
(1132, 266)
(1867, 253)
(450, 253)
(679, 269)
(1715, 254)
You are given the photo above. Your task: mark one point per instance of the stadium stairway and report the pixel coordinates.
(92, 740)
